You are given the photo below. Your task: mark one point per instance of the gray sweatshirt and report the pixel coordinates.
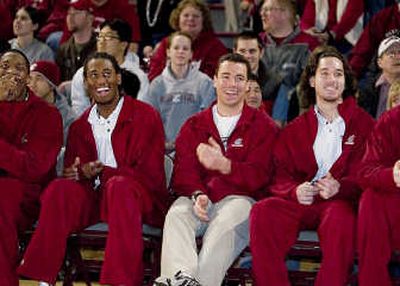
(178, 99)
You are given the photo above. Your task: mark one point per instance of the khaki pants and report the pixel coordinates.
(224, 238)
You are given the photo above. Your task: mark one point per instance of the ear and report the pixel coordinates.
(119, 79)
(215, 81)
(379, 62)
(35, 27)
(168, 53)
(312, 81)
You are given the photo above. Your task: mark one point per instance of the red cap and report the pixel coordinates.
(81, 5)
(48, 70)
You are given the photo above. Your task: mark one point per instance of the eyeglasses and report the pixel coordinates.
(107, 37)
(272, 9)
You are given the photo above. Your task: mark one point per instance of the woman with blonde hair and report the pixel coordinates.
(393, 95)
(192, 17)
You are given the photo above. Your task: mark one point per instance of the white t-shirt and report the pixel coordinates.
(225, 125)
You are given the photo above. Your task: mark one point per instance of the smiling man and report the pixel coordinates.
(30, 139)
(373, 98)
(113, 172)
(316, 160)
(223, 160)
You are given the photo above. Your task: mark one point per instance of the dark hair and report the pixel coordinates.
(15, 51)
(33, 13)
(307, 95)
(130, 83)
(198, 4)
(123, 29)
(254, 77)
(104, 56)
(179, 33)
(235, 58)
(248, 35)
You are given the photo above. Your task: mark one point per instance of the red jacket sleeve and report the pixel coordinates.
(158, 60)
(128, 13)
(307, 20)
(186, 177)
(381, 155)
(33, 158)
(286, 179)
(353, 11)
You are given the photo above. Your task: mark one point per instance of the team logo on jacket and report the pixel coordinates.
(237, 143)
(350, 140)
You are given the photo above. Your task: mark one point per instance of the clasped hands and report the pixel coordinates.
(89, 170)
(325, 187)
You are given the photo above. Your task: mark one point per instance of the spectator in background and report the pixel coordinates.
(72, 54)
(383, 24)
(394, 95)
(192, 17)
(51, 32)
(26, 24)
(286, 49)
(253, 97)
(30, 139)
(104, 10)
(57, 33)
(339, 22)
(374, 97)
(113, 39)
(44, 79)
(181, 90)
(154, 17)
(222, 164)
(113, 172)
(316, 160)
(249, 45)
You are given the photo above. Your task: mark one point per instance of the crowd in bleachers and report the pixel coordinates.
(294, 126)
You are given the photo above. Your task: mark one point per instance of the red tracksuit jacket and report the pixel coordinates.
(31, 136)
(294, 158)
(249, 148)
(381, 154)
(138, 145)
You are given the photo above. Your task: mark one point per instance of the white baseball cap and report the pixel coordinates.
(387, 43)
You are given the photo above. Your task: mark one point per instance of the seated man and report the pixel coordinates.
(315, 185)
(223, 161)
(30, 139)
(113, 172)
(113, 39)
(379, 212)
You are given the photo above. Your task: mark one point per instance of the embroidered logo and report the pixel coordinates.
(238, 143)
(350, 140)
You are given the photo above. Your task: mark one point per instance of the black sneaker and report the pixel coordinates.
(182, 279)
(161, 281)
